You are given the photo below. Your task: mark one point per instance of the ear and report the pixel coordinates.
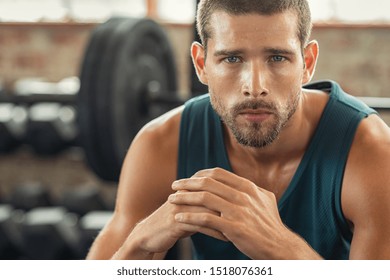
(198, 59)
(310, 56)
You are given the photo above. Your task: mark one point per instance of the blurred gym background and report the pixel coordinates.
(51, 203)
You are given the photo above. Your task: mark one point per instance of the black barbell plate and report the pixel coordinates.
(86, 98)
(137, 53)
(103, 95)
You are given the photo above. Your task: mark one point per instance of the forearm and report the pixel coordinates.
(288, 246)
(115, 242)
(300, 250)
(105, 248)
(134, 248)
(132, 252)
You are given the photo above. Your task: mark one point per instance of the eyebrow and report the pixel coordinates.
(279, 51)
(274, 51)
(228, 52)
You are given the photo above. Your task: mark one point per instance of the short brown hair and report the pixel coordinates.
(264, 7)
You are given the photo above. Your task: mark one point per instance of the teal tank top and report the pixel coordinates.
(311, 205)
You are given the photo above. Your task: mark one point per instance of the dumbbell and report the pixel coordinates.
(47, 231)
(10, 232)
(13, 121)
(29, 195)
(51, 127)
(88, 203)
(83, 199)
(51, 233)
(54, 233)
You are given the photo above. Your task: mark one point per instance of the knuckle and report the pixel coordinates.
(272, 196)
(253, 189)
(176, 208)
(204, 196)
(247, 198)
(204, 183)
(205, 220)
(215, 171)
(201, 197)
(208, 172)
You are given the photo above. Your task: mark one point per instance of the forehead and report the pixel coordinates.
(254, 30)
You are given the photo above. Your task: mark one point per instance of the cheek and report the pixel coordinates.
(223, 84)
(287, 81)
(289, 73)
(223, 76)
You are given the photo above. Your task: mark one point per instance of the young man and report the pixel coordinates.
(263, 167)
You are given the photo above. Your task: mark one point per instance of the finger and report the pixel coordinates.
(207, 231)
(205, 199)
(211, 176)
(203, 222)
(210, 185)
(195, 209)
(225, 177)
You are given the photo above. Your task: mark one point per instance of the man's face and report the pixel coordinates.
(254, 70)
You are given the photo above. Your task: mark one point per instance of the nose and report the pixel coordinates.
(254, 84)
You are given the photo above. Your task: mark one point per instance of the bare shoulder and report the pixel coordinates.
(366, 189)
(149, 168)
(370, 150)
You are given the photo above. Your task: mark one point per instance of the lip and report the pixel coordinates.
(258, 115)
(255, 111)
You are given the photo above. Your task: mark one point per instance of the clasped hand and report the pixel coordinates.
(231, 208)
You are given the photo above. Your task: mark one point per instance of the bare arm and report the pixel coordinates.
(366, 191)
(147, 173)
(143, 224)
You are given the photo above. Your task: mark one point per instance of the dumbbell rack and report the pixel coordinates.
(51, 204)
(40, 114)
(36, 225)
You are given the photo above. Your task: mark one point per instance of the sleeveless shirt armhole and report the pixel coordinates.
(182, 155)
(345, 229)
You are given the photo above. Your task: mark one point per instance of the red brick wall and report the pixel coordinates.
(55, 51)
(357, 57)
(44, 50)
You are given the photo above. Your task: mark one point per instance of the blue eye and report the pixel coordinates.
(278, 58)
(232, 59)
